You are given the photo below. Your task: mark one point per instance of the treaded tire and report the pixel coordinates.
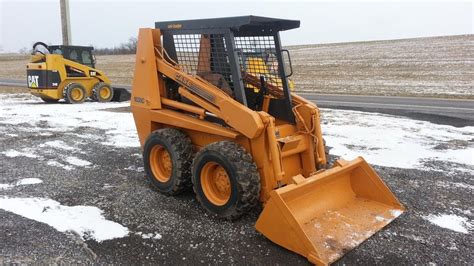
(96, 92)
(49, 100)
(180, 150)
(243, 176)
(67, 93)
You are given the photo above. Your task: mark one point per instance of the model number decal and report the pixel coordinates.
(139, 99)
(195, 89)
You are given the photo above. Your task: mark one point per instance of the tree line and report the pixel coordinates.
(129, 47)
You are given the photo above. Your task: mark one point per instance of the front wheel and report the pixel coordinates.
(102, 92)
(226, 180)
(167, 156)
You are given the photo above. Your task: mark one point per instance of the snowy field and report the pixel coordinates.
(73, 158)
(430, 67)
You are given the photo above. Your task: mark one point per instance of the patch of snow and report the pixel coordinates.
(29, 181)
(58, 144)
(135, 169)
(22, 182)
(454, 184)
(451, 222)
(107, 186)
(87, 221)
(26, 153)
(6, 186)
(119, 127)
(149, 235)
(452, 246)
(77, 162)
(394, 141)
(58, 164)
(396, 213)
(119, 140)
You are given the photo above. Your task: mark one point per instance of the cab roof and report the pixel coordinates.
(72, 47)
(240, 24)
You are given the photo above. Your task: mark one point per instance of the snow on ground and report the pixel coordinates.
(451, 222)
(149, 235)
(381, 139)
(87, 221)
(77, 162)
(29, 181)
(25, 153)
(454, 184)
(20, 109)
(58, 164)
(393, 141)
(22, 182)
(58, 144)
(133, 168)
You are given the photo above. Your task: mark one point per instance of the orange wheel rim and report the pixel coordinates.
(76, 94)
(104, 92)
(160, 163)
(215, 183)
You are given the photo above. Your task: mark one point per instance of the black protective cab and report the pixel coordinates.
(228, 51)
(80, 54)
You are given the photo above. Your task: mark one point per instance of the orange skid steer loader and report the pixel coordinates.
(208, 119)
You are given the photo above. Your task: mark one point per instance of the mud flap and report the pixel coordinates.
(121, 95)
(326, 215)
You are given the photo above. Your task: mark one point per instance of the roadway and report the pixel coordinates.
(456, 112)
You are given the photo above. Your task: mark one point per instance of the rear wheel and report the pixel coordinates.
(167, 156)
(49, 100)
(102, 92)
(74, 93)
(226, 180)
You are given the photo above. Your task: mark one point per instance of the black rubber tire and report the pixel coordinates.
(69, 88)
(243, 175)
(96, 95)
(180, 149)
(49, 100)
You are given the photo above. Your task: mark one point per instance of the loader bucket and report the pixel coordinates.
(121, 95)
(324, 216)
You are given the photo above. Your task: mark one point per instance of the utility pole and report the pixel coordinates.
(65, 22)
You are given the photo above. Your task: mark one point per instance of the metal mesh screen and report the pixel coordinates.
(257, 58)
(205, 55)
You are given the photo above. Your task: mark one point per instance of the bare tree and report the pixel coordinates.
(129, 47)
(24, 50)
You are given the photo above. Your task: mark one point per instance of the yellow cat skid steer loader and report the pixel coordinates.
(201, 124)
(68, 72)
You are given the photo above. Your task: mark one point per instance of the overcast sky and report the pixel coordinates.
(108, 23)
